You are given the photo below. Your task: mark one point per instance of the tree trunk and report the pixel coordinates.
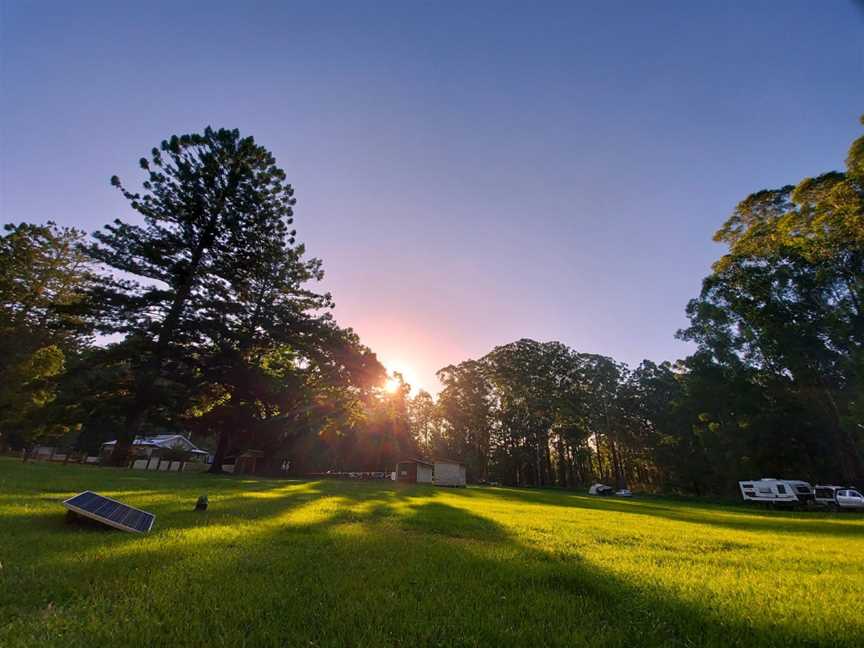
(562, 462)
(616, 464)
(135, 418)
(536, 466)
(221, 450)
(577, 471)
(547, 462)
(601, 476)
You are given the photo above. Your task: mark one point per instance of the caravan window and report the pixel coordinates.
(765, 490)
(781, 489)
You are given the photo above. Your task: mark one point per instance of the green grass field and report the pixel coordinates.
(288, 563)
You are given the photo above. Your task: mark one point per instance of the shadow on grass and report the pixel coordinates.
(335, 563)
(244, 572)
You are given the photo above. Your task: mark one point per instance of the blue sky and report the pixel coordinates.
(470, 173)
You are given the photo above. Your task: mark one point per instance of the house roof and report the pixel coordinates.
(415, 460)
(252, 453)
(450, 461)
(165, 441)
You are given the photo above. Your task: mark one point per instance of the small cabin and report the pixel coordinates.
(417, 471)
(247, 462)
(449, 472)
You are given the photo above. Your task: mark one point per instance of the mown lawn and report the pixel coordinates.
(288, 563)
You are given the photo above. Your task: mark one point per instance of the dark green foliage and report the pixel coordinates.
(541, 414)
(781, 317)
(200, 271)
(776, 387)
(221, 336)
(43, 278)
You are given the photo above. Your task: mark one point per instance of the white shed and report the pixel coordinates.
(449, 472)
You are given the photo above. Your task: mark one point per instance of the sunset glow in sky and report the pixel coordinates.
(470, 173)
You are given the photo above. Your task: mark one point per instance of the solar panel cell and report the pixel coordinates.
(107, 509)
(134, 518)
(83, 500)
(119, 513)
(146, 522)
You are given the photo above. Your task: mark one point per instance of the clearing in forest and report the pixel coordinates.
(326, 563)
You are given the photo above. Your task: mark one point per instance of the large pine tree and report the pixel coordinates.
(210, 203)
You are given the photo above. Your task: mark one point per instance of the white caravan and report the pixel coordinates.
(600, 489)
(776, 491)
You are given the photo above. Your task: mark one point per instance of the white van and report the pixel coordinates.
(776, 491)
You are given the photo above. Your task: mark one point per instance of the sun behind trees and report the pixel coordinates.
(219, 335)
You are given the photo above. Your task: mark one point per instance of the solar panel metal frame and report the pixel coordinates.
(105, 520)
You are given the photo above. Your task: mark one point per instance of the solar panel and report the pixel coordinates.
(110, 512)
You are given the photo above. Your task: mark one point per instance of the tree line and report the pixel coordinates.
(201, 317)
(774, 387)
(207, 304)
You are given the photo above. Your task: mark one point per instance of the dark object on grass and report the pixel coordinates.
(86, 523)
(110, 512)
(201, 504)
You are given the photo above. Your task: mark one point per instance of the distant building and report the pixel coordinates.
(156, 445)
(245, 463)
(449, 472)
(418, 471)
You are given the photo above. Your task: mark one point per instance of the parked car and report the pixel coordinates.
(839, 497)
(850, 499)
(624, 492)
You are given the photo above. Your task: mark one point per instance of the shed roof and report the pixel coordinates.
(415, 460)
(449, 461)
